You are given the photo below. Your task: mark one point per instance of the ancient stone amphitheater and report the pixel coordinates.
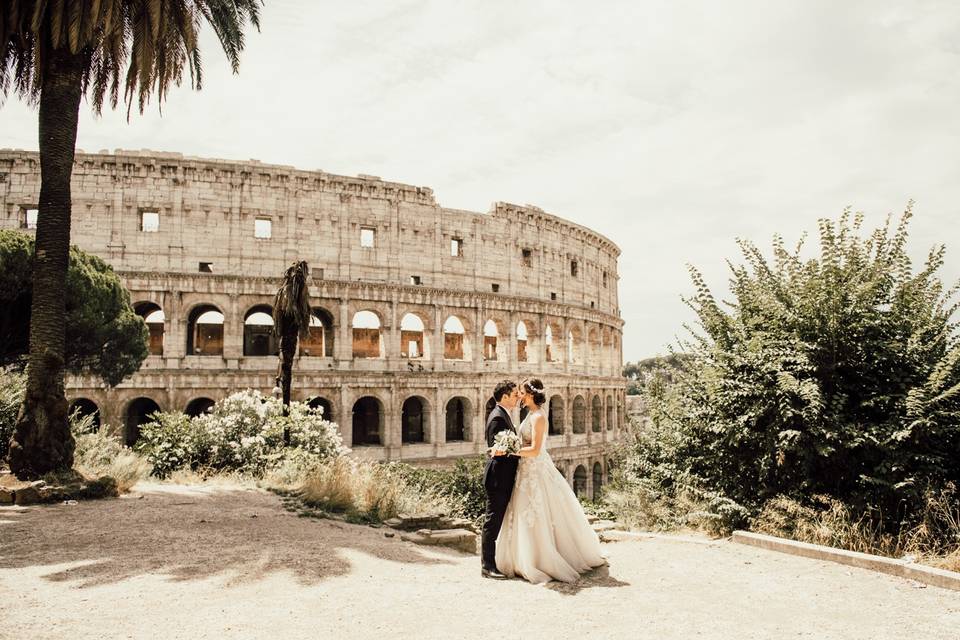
(419, 310)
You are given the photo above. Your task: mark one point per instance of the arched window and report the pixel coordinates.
(83, 408)
(597, 422)
(414, 420)
(198, 406)
(367, 422)
(579, 415)
(521, 341)
(580, 481)
(457, 415)
(258, 336)
(490, 336)
(412, 343)
(610, 413)
(455, 345)
(205, 331)
(138, 413)
(597, 480)
(319, 340)
(153, 316)
(367, 341)
(555, 416)
(326, 409)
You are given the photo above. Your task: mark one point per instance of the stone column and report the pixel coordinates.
(343, 348)
(436, 356)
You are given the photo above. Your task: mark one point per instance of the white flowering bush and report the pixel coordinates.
(243, 432)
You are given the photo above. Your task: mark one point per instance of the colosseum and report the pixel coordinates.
(418, 309)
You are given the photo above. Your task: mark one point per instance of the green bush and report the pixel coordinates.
(461, 486)
(837, 375)
(12, 387)
(243, 433)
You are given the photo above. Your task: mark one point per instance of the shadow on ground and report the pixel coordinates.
(187, 533)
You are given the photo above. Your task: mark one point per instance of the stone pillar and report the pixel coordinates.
(436, 356)
(343, 348)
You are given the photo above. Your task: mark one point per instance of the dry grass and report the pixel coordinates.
(934, 541)
(366, 489)
(99, 454)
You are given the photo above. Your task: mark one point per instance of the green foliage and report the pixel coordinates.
(837, 375)
(655, 370)
(12, 387)
(104, 335)
(461, 486)
(243, 432)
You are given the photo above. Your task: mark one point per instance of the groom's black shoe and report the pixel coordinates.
(492, 573)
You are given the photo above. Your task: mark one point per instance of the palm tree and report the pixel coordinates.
(291, 321)
(53, 52)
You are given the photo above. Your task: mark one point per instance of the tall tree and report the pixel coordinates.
(52, 52)
(291, 321)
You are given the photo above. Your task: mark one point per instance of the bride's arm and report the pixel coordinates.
(539, 431)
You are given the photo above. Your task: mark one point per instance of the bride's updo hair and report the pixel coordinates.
(535, 387)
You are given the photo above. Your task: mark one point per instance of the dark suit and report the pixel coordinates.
(498, 479)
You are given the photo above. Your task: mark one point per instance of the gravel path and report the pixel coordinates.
(212, 562)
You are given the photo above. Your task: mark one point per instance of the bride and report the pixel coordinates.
(545, 534)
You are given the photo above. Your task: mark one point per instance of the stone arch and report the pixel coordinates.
(258, 334)
(555, 416)
(205, 331)
(596, 422)
(491, 340)
(457, 418)
(325, 406)
(415, 420)
(580, 481)
(456, 341)
(597, 480)
(84, 407)
(367, 335)
(155, 320)
(367, 421)
(413, 337)
(138, 413)
(525, 332)
(199, 406)
(321, 336)
(579, 415)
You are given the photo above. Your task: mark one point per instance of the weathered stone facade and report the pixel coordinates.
(190, 236)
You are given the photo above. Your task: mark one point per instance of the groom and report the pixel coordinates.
(498, 477)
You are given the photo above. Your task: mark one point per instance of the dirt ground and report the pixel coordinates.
(212, 562)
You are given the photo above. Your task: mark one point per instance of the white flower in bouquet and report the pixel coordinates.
(507, 442)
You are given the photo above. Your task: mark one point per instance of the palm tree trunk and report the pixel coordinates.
(288, 348)
(42, 440)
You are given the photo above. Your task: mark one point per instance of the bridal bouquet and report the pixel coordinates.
(506, 441)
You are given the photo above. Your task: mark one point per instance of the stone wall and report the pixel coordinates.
(185, 233)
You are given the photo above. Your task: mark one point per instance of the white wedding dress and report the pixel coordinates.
(545, 534)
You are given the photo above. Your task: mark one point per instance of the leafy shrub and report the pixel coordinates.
(836, 376)
(243, 432)
(12, 387)
(460, 487)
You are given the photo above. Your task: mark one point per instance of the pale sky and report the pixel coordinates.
(671, 127)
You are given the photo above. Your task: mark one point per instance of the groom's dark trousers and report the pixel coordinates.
(498, 479)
